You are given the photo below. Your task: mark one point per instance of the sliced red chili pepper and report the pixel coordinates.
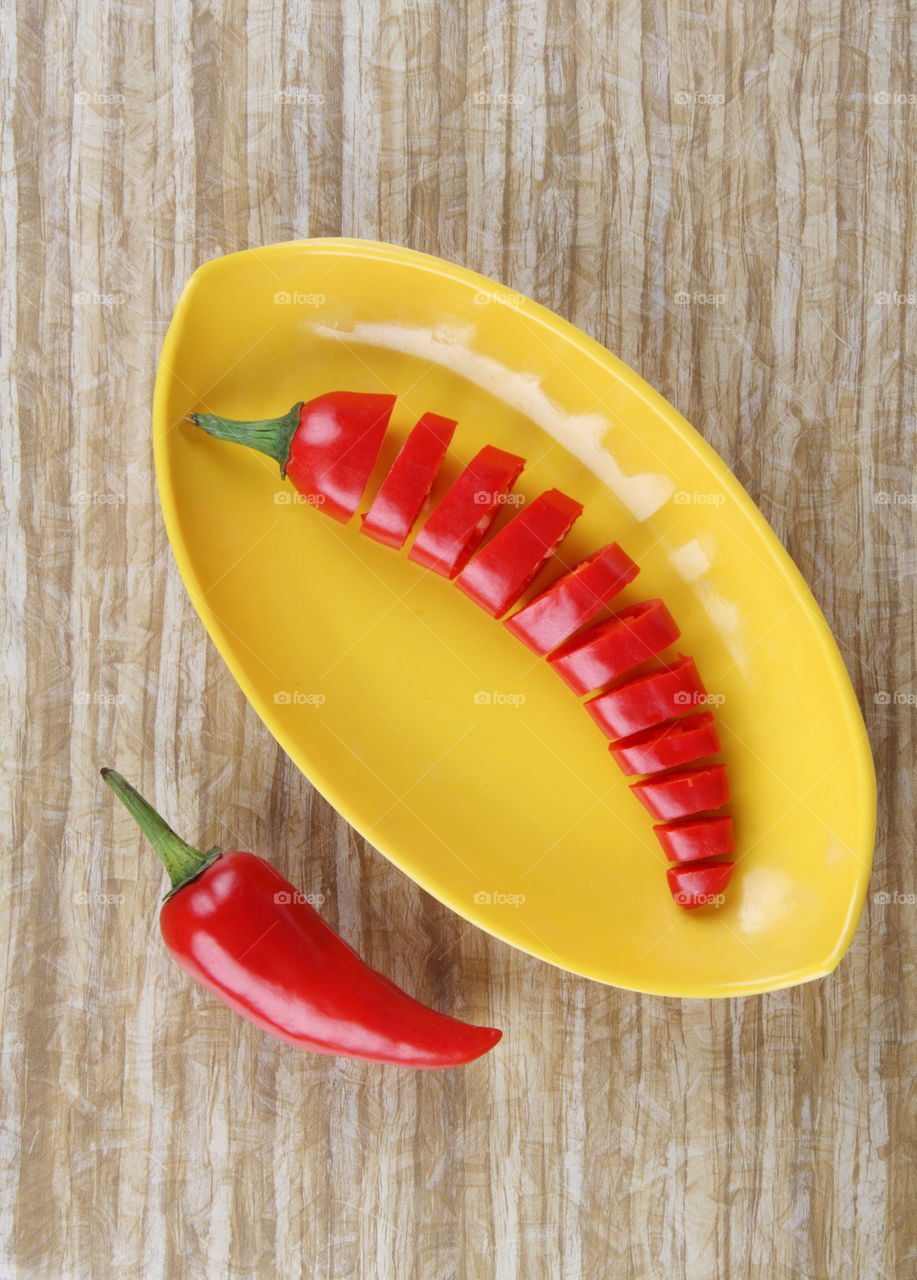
(684, 791)
(328, 446)
(500, 573)
(699, 886)
(456, 525)
(694, 838)
(407, 486)
(241, 930)
(573, 600)
(666, 745)
(647, 700)
(608, 650)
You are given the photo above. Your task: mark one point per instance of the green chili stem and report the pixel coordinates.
(272, 436)
(180, 860)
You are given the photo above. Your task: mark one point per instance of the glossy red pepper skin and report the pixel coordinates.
(335, 447)
(648, 699)
(500, 573)
(681, 792)
(691, 839)
(240, 929)
(405, 489)
(667, 745)
(614, 647)
(456, 525)
(699, 886)
(327, 446)
(573, 600)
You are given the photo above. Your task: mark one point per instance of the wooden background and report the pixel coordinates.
(723, 194)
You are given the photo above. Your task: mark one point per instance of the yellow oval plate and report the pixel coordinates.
(444, 741)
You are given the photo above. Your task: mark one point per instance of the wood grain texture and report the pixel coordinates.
(723, 194)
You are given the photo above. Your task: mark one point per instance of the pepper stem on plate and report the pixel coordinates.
(180, 860)
(272, 436)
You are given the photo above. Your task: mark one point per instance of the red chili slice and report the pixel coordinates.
(613, 647)
(574, 599)
(458, 522)
(647, 700)
(498, 575)
(666, 745)
(694, 838)
(699, 886)
(684, 791)
(407, 486)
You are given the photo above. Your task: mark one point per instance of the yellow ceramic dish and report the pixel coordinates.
(444, 741)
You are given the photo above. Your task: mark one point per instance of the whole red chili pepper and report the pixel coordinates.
(237, 927)
(328, 446)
